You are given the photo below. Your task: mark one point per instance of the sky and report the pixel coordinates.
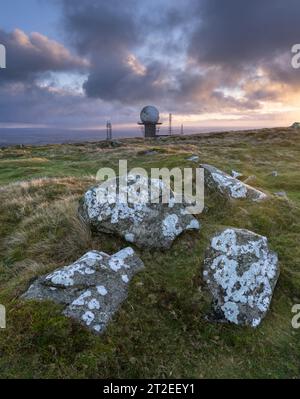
(74, 64)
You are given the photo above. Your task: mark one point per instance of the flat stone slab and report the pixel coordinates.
(241, 273)
(146, 223)
(92, 288)
(228, 186)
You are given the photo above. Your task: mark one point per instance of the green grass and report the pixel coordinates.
(160, 331)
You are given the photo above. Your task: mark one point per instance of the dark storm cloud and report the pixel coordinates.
(29, 56)
(235, 32)
(112, 33)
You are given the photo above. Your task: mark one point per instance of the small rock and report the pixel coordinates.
(92, 288)
(228, 186)
(140, 221)
(281, 194)
(193, 158)
(150, 152)
(116, 143)
(274, 173)
(241, 273)
(296, 125)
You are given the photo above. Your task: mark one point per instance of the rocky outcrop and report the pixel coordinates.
(228, 186)
(240, 272)
(92, 288)
(139, 220)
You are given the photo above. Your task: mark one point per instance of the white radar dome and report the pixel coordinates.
(149, 114)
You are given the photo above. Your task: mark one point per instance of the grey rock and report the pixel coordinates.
(296, 125)
(91, 289)
(138, 220)
(274, 173)
(193, 158)
(228, 186)
(241, 273)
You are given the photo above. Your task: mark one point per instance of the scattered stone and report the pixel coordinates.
(193, 158)
(282, 194)
(236, 174)
(241, 273)
(92, 289)
(151, 224)
(115, 143)
(296, 125)
(221, 182)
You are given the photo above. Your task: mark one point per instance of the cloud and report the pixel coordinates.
(187, 57)
(30, 56)
(126, 45)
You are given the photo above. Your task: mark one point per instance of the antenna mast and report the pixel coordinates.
(108, 131)
(170, 124)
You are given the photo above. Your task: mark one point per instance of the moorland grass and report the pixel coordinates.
(160, 331)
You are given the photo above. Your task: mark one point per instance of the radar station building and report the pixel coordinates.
(150, 120)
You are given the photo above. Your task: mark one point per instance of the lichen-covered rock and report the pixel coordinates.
(241, 273)
(92, 288)
(144, 220)
(228, 186)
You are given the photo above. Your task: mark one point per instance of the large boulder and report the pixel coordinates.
(228, 186)
(241, 273)
(92, 288)
(150, 224)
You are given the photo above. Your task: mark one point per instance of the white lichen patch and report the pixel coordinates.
(97, 328)
(84, 266)
(118, 260)
(82, 299)
(130, 237)
(241, 273)
(231, 311)
(88, 317)
(170, 226)
(101, 290)
(193, 225)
